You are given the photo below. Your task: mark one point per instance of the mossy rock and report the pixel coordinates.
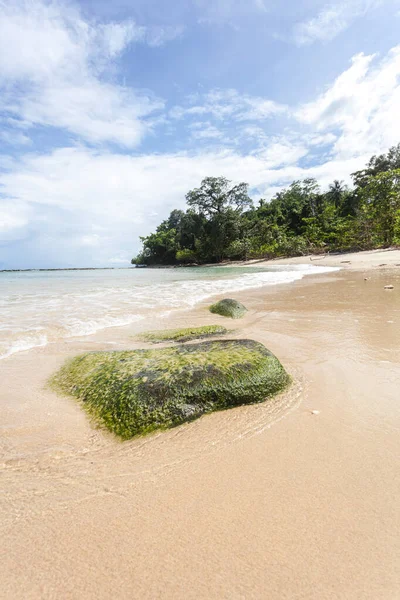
(137, 391)
(183, 335)
(229, 308)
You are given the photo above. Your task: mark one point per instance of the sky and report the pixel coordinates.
(110, 112)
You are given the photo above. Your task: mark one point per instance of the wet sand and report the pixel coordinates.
(264, 501)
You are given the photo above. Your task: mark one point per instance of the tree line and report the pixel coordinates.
(222, 222)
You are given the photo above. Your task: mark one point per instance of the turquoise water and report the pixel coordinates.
(40, 307)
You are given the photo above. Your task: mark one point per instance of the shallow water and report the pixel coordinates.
(41, 307)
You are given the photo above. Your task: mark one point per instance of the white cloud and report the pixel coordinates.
(158, 36)
(36, 40)
(92, 110)
(281, 152)
(229, 104)
(11, 219)
(323, 139)
(15, 138)
(360, 107)
(53, 72)
(262, 5)
(115, 37)
(206, 131)
(331, 21)
(14, 220)
(90, 239)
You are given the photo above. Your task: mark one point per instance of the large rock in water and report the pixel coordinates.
(137, 391)
(229, 308)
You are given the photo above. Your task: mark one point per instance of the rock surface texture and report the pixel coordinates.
(229, 308)
(137, 391)
(183, 335)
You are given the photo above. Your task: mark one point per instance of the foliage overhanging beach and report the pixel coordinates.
(221, 221)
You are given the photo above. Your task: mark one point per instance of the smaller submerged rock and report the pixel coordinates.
(229, 308)
(183, 335)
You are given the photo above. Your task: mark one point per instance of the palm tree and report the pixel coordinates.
(336, 190)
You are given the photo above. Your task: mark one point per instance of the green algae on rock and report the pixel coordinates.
(183, 335)
(134, 392)
(229, 308)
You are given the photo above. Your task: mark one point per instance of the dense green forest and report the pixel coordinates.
(221, 221)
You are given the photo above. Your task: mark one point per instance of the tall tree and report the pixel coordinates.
(216, 194)
(336, 192)
(378, 164)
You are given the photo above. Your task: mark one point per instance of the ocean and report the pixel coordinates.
(40, 307)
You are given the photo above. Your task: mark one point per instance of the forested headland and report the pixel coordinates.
(222, 222)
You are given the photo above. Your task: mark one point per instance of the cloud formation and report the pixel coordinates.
(56, 70)
(229, 105)
(361, 106)
(92, 162)
(331, 21)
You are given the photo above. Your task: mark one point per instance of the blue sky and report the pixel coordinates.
(111, 111)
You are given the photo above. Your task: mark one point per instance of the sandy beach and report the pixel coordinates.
(297, 497)
(368, 260)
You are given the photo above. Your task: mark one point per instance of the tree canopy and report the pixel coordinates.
(222, 222)
(216, 195)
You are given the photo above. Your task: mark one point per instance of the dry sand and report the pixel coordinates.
(369, 260)
(266, 501)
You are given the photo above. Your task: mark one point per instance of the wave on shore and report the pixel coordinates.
(36, 310)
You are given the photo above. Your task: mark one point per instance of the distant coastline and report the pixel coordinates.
(66, 269)
(358, 258)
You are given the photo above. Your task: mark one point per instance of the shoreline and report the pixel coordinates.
(264, 500)
(331, 259)
(361, 259)
(354, 261)
(207, 289)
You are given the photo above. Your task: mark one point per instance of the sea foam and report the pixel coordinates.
(47, 307)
